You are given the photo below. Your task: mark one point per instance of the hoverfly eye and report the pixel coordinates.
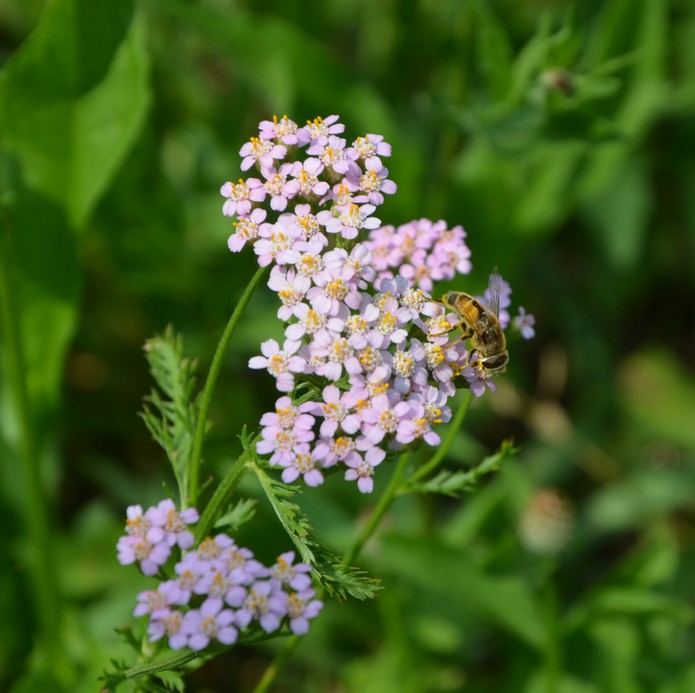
(492, 364)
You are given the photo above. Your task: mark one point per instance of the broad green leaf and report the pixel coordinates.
(620, 212)
(494, 50)
(507, 601)
(645, 92)
(540, 682)
(548, 192)
(632, 602)
(46, 279)
(73, 99)
(530, 59)
(618, 646)
(640, 499)
(659, 397)
(65, 124)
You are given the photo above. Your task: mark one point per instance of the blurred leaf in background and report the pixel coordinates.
(558, 133)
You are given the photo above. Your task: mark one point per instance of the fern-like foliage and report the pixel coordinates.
(451, 483)
(239, 514)
(336, 579)
(171, 410)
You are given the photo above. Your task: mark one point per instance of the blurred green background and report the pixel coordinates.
(560, 134)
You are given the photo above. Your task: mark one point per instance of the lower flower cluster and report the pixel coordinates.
(219, 589)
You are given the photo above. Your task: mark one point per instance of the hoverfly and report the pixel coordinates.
(480, 325)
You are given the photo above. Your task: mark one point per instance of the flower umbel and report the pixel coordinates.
(360, 327)
(220, 589)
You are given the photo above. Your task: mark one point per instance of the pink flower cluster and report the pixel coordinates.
(375, 355)
(422, 251)
(219, 589)
(384, 389)
(349, 181)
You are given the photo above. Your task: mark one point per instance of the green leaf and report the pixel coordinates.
(638, 26)
(453, 483)
(341, 581)
(641, 499)
(240, 514)
(73, 98)
(494, 50)
(658, 395)
(539, 683)
(618, 646)
(620, 212)
(335, 578)
(451, 574)
(290, 515)
(172, 414)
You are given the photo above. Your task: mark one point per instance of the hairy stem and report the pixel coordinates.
(201, 424)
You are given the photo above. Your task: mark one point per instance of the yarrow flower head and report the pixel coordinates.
(375, 357)
(220, 589)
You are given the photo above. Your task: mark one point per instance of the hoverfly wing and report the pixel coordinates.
(492, 295)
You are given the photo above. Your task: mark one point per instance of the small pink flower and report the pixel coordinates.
(210, 622)
(280, 363)
(306, 182)
(261, 152)
(240, 196)
(276, 243)
(284, 130)
(374, 183)
(290, 288)
(301, 607)
(294, 575)
(246, 229)
(336, 410)
(333, 155)
(349, 222)
(304, 463)
(371, 145)
(361, 469)
(319, 127)
(277, 185)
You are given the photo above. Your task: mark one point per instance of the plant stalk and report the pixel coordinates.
(206, 399)
(446, 444)
(381, 508)
(41, 564)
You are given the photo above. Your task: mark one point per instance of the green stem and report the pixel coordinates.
(444, 448)
(42, 566)
(381, 507)
(280, 658)
(201, 424)
(220, 498)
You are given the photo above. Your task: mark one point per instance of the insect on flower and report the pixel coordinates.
(480, 325)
